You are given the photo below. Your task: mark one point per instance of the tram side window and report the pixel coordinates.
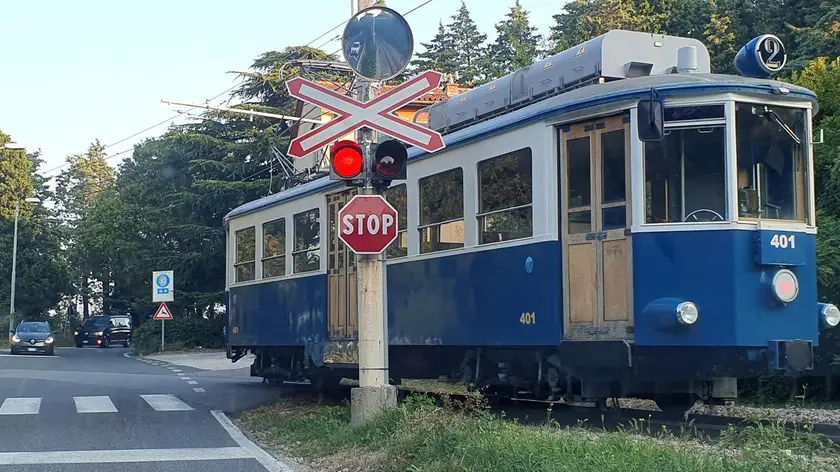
(685, 176)
(442, 211)
(307, 255)
(771, 164)
(246, 254)
(274, 248)
(505, 194)
(397, 196)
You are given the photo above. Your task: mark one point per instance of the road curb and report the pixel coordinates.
(266, 459)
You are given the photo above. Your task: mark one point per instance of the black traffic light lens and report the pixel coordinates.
(390, 158)
(387, 167)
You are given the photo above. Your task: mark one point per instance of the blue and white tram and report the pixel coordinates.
(573, 240)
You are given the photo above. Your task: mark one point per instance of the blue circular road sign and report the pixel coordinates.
(162, 280)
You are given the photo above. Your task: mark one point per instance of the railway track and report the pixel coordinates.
(646, 422)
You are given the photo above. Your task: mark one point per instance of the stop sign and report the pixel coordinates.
(368, 224)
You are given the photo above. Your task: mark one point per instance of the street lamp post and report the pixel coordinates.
(14, 264)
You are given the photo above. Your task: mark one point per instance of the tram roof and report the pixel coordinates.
(670, 85)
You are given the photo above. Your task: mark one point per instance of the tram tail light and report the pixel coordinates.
(346, 161)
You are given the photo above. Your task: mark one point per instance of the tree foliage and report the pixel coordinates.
(163, 208)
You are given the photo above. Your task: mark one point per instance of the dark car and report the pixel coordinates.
(33, 337)
(104, 330)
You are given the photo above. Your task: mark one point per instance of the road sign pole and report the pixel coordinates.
(374, 393)
(162, 338)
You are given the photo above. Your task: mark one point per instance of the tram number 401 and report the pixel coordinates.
(528, 318)
(783, 241)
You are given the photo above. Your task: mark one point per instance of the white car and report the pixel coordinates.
(355, 48)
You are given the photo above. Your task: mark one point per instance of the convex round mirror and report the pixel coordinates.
(377, 43)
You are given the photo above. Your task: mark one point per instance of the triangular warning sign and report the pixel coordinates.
(163, 312)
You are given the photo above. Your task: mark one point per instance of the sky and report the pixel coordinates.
(73, 72)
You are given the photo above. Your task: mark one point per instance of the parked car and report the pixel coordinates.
(33, 337)
(104, 330)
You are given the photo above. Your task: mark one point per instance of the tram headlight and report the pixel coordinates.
(687, 313)
(830, 315)
(785, 286)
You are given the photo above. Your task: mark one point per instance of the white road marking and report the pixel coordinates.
(101, 404)
(182, 375)
(126, 455)
(264, 458)
(176, 370)
(192, 382)
(199, 389)
(23, 356)
(165, 403)
(185, 378)
(20, 406)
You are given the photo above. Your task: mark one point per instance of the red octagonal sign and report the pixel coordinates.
(368, 224)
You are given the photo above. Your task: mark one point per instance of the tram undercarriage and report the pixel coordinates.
(579, 374)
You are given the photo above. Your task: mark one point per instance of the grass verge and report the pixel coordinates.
(419, 436)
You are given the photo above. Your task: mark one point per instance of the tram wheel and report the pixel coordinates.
(675, 403)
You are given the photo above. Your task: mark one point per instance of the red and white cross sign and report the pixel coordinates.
(368, 224)
(376, 114)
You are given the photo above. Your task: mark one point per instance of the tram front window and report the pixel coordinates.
(685, 176)
(771, 162)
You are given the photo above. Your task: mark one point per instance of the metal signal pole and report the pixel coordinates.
(374, 393)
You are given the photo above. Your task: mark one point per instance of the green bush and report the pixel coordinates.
(180, 334)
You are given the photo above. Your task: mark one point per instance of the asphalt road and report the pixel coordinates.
(96, 409)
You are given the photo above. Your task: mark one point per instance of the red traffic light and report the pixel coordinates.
(347, 159)
(390, 160)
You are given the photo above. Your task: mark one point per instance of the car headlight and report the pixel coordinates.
(687, 313)
(75, 333)
(15, 339)
(785, 286)
(49, 340)
(99, 333)
(831, 315)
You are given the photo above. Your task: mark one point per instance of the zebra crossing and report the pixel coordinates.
(91, 404)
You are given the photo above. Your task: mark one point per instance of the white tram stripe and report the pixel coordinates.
(20, 406)
(96, 404)
(165, 403)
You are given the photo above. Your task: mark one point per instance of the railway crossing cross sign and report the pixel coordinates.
(163, 313)
(376, 114)
(368, 224)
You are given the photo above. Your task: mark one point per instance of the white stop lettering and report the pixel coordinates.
(373, 224)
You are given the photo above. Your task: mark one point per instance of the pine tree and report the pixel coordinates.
(469, 47)
(821, 38)
(516, 45)
(440, 54)
(583, 20)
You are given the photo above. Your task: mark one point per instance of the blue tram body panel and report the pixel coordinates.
(727, 275)
(478, 298)
(288, 312)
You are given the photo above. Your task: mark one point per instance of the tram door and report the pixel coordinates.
(342, 317)
(595, 222)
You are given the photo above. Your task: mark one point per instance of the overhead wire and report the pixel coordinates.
(287, 130)
(426, 2)
(45, 173)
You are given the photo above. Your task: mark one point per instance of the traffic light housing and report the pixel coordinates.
(347, 161)
(389, 161)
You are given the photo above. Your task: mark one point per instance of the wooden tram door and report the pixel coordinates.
(342, 317)
(595, 222)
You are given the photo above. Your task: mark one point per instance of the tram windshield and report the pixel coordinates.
(771, 162)
(685, 173)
